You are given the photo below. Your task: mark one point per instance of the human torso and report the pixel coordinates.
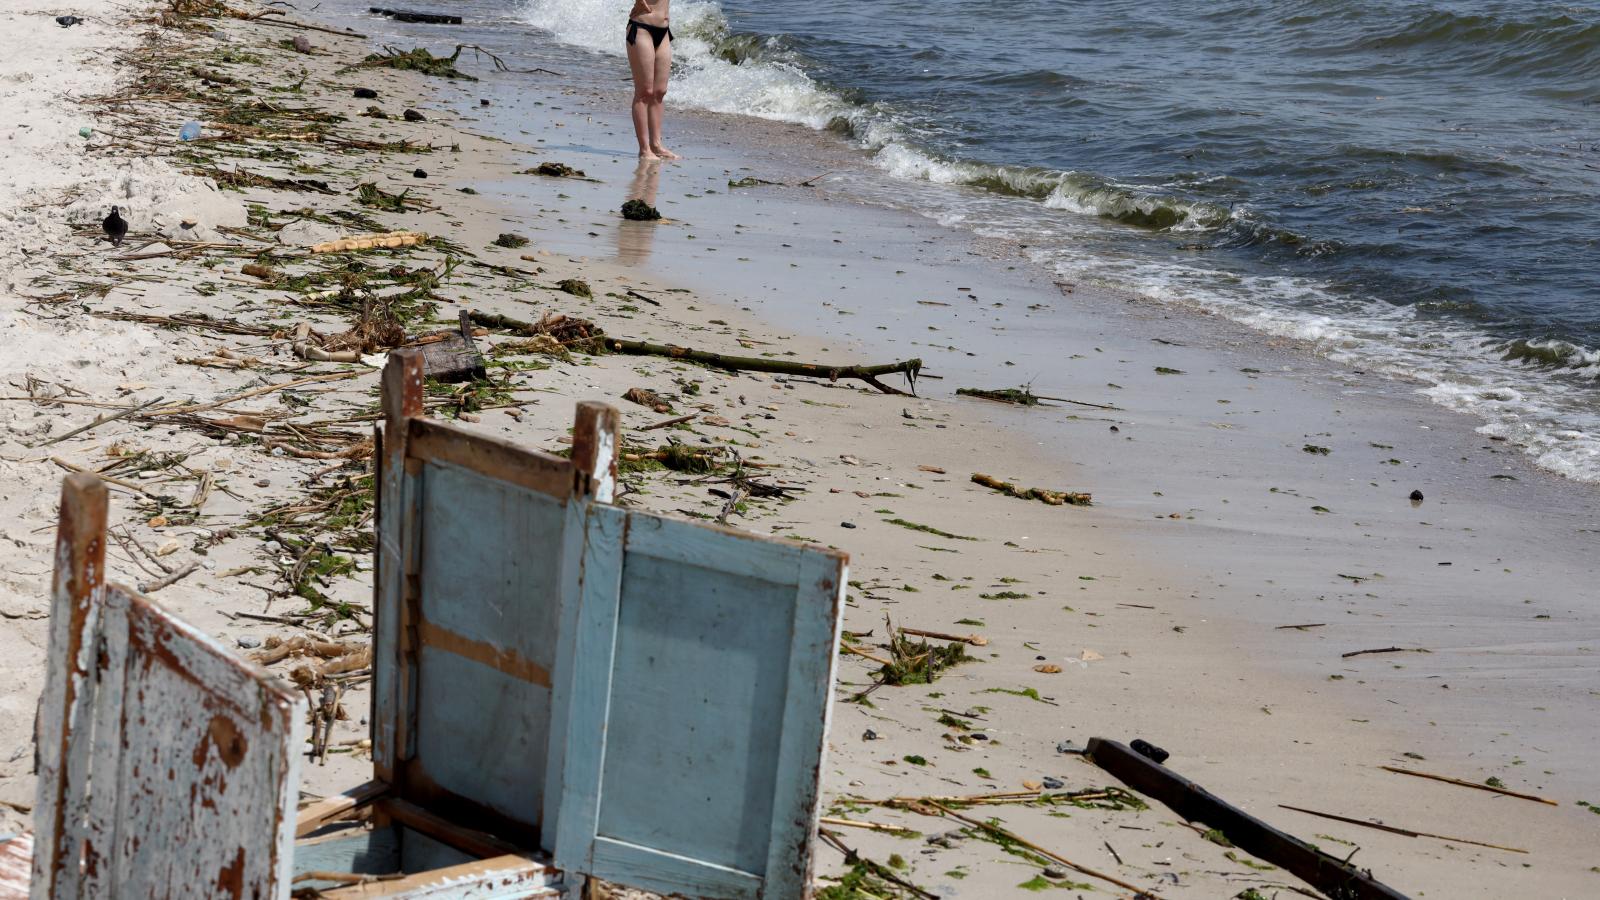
(655, 13)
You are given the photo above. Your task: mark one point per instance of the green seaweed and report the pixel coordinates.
(914, 526)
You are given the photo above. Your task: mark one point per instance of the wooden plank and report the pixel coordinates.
(594, 450)
(339, 806)
(1326, 873)
(477, 843)
(501, 878)
(697, 707)
(441, 442)
(402, 402)
(66, 710)
(362, 851)
(209, 765)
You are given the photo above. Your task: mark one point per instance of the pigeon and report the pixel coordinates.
(116, 227)
(67, 21)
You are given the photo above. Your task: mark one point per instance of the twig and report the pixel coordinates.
(1471, 784)
(975, 640)
(1114, 854)
(109, 479)
(1384, 650)
(671, 422)
(1301, 627)
(870, 826)
(1014, 838)
(171, 579)
(253, 392)
(1402, 831)
(877, 659)
(99, 420)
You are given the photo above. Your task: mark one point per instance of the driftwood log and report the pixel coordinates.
(870, 374)
(455, 358)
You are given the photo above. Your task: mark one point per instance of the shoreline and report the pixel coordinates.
(1144, 662)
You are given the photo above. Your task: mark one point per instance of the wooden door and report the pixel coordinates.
(168, 764)
(692, 698)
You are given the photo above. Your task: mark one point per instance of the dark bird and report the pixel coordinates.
(67, 21)
(366, 93)
(116, 227)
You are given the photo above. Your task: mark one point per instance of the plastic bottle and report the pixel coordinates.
(190, 131)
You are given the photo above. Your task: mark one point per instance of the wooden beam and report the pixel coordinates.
(66, 712)
(1326, 873)
(332, 809)
(594, 450)
(402, 402)
(470, 841)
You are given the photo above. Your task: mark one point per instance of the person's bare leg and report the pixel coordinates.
(663, 71)
(642, 60)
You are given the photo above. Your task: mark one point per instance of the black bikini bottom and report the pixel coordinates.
(657, 32)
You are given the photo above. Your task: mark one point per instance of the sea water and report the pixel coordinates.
(1409, 185)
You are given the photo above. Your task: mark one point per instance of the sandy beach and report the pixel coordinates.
(1252, 523)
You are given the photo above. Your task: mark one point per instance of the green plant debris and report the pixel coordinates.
(418, 59)
(577, 287)
(974, 622)
(1591, 807)
(1249, 894)
(1041, 883)
(919, 662)
(916, 760)
(369, 194)
(1163, 370)
(896, 861)
(957, 873)
(1005, 595)
(1249, 863)
(554, 170)
(640, 212)
(510, 241)
(981, 772)
(1495, 783)
(1019, 396)
(952, 722)
(1314, 449)
(1030, 693)
(867, 880)
(1216, 836)
(929, 529)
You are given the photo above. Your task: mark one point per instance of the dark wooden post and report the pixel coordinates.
(595, 446)
(66, 710)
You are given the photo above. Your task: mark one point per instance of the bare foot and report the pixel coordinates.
(649, 156)
(664, 153)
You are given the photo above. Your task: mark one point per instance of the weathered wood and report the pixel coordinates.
(910, 368)
(696, 691)
(339, 806)
(402, 402)
(594, 450)
(16, 866)
(420, 18)
(1328, 874)
(67, 708)
(467, 840)
(441, 442)
(456, 358)
(502, 878)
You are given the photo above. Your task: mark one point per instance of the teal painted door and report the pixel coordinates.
(692, 691)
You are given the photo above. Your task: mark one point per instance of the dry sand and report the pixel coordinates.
(1161, 603)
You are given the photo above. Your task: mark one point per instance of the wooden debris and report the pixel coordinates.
(1393, 829)
(1384, 650)
(1325, 872)
(975, 640)
(1024, 397)
(870, 374)
(648, 399)
(1471, 784)
(456, 358)
(99, 420)
(1050, 498)
(420, 18)
(388, 240)
(1015, 838)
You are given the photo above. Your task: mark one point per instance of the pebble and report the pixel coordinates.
(869, 735)
(249, 643)
(979, 736)
(1052, 784)
(847, 524)
(1068, 747)
(366, 93)
(420, 173)
(1416, 496)
(412, 115)
(1053, 872)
